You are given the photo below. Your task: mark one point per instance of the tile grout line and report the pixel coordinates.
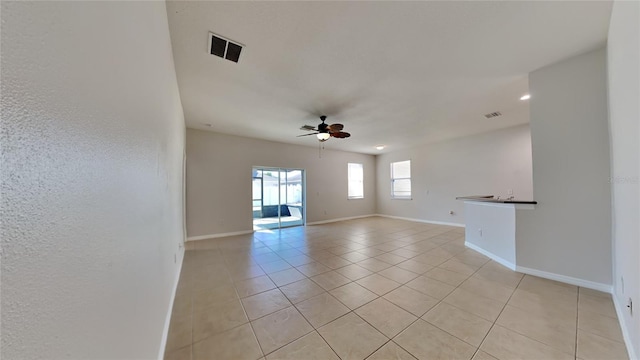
(227, 330)
(233, 282)
(529, 337)
(290, 342)
(264, 355)
(496, 320)
(325, 340)
(253, 331)
(255, 337)
(438, 303)
(575, 347)
(356, 314)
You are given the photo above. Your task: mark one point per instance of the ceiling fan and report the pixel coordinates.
(325, 131)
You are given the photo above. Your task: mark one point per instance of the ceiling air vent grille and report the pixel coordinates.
(493, 114)
(224, 48)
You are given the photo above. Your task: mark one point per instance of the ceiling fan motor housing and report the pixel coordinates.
(323, 128)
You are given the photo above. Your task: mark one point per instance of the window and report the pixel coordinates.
(355, 175)
(401, 180)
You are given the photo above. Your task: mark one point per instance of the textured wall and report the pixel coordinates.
(623, 49)
(498, 229)
(490, 163)
(219, 180)
(569, 232)
(92, 151)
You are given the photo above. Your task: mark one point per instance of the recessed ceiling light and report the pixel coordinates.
(379, 147)
(525, 97)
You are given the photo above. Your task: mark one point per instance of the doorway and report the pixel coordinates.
(278, 198)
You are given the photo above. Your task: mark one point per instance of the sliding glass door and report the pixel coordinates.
(278, 197)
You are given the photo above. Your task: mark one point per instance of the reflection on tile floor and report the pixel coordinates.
(377, 288)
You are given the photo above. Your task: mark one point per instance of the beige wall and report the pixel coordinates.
(624, 114)
(569, 232)
(490, 163)
(91, 206)
(219, 180)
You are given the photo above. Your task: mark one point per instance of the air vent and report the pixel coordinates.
(493, 114)
(224, 48)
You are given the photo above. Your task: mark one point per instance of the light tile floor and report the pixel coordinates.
(377, 288)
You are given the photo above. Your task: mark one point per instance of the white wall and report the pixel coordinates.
(569, 232)
(490, 163)
(624, 115)
(491, 229)
(92, 146)
(219, 180)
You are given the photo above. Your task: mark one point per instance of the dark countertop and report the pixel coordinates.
(492, 199)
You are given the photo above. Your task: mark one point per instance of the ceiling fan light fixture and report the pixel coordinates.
(379, 147)
(525, 97)
(323, 136)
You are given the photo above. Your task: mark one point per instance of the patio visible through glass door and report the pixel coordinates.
(278, 198)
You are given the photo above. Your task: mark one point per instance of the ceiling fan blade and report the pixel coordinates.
(333, 130)
(340, 134)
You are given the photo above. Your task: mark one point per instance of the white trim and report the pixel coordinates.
(213, 236)
(490, 204)
(502, 205)
(421, 220)
(340, 219)
(167, 320)
(490, 255)
(525, 206)
(566, 279)
(631, 351)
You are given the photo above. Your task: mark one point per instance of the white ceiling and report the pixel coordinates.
(394, 73)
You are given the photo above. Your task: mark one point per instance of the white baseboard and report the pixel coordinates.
(167, 320)
(573, 281)
(213, 236)
(566, 279)
(340, 219)
(543, 274)
(631, 351)
(219, 235)
(421, 220)
(490, 255)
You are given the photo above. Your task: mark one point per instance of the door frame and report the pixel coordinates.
(303, 195)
